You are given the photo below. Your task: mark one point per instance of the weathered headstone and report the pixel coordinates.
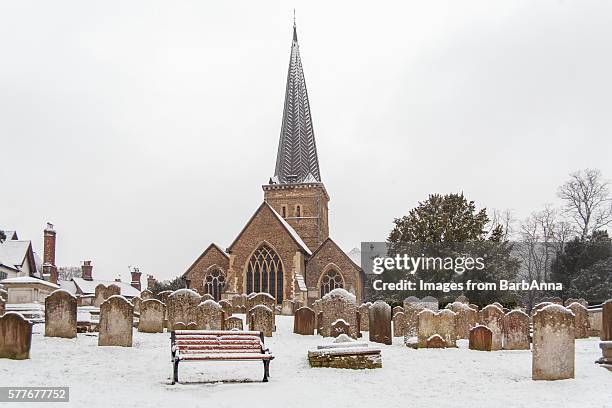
(431, 303)
(210, 316)
(481, 338)
(445, 327)
(364, 316)
(182, 306)
(112, 290)
(606, 321)
(15, 336)
(179, 326)
(260, 298)
(61, 315)
(436, 341)
(399, 324)
(492, 317)
(206, 296)
(227, 308)
(465, 319)
(553, 344)
(339, 304)
(582, 327)
(397, 309)
(99, 295)
(152, 312)
(261, 318)
(339, 327)
(136, 301)
(304, 321)
(412, 307)
(515, 331)
(287, 308)
(2, 305)
(233, 323)
(319, 320)
(163, 296)
(146, 294)
(380, 323)
(192, 326)
(463, 299)
(426, 326)
(116, 321)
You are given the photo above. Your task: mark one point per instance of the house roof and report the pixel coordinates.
(28, 279)
(294, 235)
(14, 253)
(88, 287)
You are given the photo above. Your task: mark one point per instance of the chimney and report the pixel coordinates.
(49, 268)
(151, 281)
(135, 278)
(86, 270)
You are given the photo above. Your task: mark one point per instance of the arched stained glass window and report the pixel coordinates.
(214, 283)
(265, 273)
(330, 281)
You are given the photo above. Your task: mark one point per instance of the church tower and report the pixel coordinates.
(296, 191)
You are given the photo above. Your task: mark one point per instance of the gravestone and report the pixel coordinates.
(582, 328)
(233, 322)
(146, 294)
(412, 307)
(99, 295)
(426, 326)
(319, 320)
(191, 326)
(553, 344)
(492, 317)
(463, 299)
(61, 315)
(380, 323)
(152, 312)
(515, 331)
(136, 301)
(15, 336)
(445, 327)
(304, 321)
(227, 308)
(206, 296)
(364, 316)
(261, 318)
(116, 321)
(572, 300)
(340, 327)
(209, 316)
(261, 298)
(397, 309)
(287, 307)
(431, 303)
(179, 326)
(465, 318)
(112, 290)
(182, 306)
(606, 321)
(399, 324)
(2, 305)
(339, 304)
(481, 338)
(539, 306)
(436, 341)
(163, 296)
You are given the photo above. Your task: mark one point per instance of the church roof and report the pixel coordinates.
(296, 160)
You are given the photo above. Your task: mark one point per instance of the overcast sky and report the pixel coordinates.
(144, 130)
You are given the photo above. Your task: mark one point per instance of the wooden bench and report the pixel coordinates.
(218, 345)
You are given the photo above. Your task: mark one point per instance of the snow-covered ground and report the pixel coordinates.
(139, 376)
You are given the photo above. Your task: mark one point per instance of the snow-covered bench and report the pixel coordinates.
(218, 345)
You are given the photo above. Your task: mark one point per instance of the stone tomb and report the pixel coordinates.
(61, 315)
(492, 316)
(582, 328)
(515, 333)
(152, 312)
(15, 336)
(481, 338)
(339, 304)
(345, 352)
(304, 321)
(261, 318)
(553, 344)
(210, 316)
(116, 321)
(233, 323)
(380, 323)
(182, 306)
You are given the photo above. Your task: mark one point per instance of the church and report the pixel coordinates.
(285, 248)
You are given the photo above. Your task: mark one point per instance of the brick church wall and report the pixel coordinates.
(195, 274)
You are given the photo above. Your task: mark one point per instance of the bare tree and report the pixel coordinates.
(66, 273)
(587, 200)
(505, 219)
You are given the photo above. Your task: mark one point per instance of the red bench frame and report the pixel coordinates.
(218, 345)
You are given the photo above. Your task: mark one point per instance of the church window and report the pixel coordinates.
(265, 273)
(284, 211)
(298, 211)
(330, 281)
(214, 283)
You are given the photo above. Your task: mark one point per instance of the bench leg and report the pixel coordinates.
(266, 364)
(175, 364)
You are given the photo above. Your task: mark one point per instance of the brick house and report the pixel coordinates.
(284, 249)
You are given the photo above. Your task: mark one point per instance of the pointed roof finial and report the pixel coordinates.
(294, 18)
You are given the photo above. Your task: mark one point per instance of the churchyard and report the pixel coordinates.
(412, 355)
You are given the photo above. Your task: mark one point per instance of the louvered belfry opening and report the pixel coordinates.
(296, 161)
(265, 273)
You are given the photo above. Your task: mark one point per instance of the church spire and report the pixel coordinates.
(296, 160)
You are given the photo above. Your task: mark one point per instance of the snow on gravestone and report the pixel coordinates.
(582, 327)
(152, 312)
(463, 299)
(481, 338)
(492, 317)
(436, 341)
(233, 323)
(182, 306)
(209, 315)
(553, 344)
(399, 324)
(572, 300)
(227, 308)
(445, 327)
(304, 321)
(380, 323)
(99, 295)
(340, 327)
(515, 331)
(466, 318)
(15, 336)
(606, 321)
(112, 290)
(364, 319)
(146, 294)
(61, 315)
(262, 298)
(397, 309)
(426, 326)
(261, 318)
(116, 320)
(206, 296)
(136, 301)
(338, 304)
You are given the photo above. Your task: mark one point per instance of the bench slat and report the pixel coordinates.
(226, 356)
